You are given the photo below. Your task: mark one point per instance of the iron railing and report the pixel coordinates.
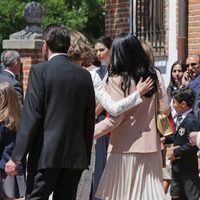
(150, 24)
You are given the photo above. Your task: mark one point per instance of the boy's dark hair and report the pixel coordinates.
(185, 94)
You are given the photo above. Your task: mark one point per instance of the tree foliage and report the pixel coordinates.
(86, 16)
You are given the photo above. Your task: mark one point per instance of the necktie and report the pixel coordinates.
(178, 121)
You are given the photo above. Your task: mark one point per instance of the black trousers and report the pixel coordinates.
(185, 185)
(62, 182)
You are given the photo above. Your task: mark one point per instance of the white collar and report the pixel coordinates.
(184, 114)
(7, 70)
(56, 54)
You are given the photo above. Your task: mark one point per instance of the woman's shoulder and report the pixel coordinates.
(115, 79)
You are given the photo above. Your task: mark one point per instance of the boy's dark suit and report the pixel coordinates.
(57, 123)
(186, 154)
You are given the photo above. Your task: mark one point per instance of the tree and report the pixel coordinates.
(11, 17)
(86, 16)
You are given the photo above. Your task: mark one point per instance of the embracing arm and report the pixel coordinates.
(111, 122)
(116, 108)
(107, 125)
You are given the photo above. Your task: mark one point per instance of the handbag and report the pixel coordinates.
(162, 122)
(163, 125)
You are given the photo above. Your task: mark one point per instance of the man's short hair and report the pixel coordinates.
(9, 57)
(57, 37)
(185, 94)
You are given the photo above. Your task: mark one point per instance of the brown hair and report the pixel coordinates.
(148, 50)
(80, 49)
(10, 106)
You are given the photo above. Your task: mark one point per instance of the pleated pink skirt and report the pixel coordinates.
(132, 176)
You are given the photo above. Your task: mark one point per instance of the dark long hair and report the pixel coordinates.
(129, 60)
(105, 40)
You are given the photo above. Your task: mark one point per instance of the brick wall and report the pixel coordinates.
(117, 17)
(28, 58)
(117, 20)
(194, 27)
(166, 24)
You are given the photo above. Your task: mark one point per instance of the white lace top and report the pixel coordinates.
(114, 108)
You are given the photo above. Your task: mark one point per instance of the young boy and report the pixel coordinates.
(185, 184)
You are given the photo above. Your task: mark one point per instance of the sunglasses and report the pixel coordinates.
(191, 64)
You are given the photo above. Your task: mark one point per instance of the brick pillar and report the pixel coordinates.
(30, 53)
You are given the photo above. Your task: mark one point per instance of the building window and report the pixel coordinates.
(150, 24)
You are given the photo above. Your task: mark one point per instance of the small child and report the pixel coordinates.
(185, 183)
(11, 187)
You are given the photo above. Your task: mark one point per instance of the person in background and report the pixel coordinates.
(191, 75)
(11, 66)
(195, 138)
(133, 169)
(11, 187)
(149, 50)
(185, 183)
(102, 48)
(176, 74)
(191, 78)
(56, 126)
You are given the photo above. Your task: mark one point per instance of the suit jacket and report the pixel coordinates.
(195, 86)
(183, 148)
(135, 129)
(57, 121)
(7, 77)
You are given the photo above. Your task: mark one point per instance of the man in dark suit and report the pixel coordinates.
(57, 122)
(11, 63)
